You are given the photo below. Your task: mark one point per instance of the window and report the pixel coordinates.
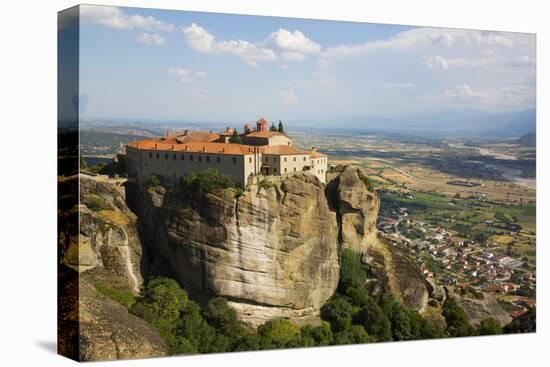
(275, 159)
(294, 159)
(250, 160)
(165, 155)
(200, 158)
(218, 159)
(285, 159)
(182, 157)
(174, 156)
(234, 160)
(294, 169)
(285, 168)
(158, 155)
(191, 157)
(304, 159)
(208, 158)
(275, 170)
(150, 154)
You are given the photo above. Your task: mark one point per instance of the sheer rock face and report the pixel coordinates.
(108, 244)
(357, 211)
(272, 252)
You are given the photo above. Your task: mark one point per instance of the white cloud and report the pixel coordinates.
(201, 40)
(423, 37)
(288, 96)
(114, 17)
(440, 62)
(523, 61)
(293, 46)
(151, 38)
(186, 74)
(463, 92)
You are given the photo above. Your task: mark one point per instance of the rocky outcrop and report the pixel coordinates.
(272, 252)
(109, 332)
(99, 242)
(108, 244)
(357, 211)
(484, 307)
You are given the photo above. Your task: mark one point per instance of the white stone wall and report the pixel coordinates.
(319, 168)
(170, 164)
(294, 163)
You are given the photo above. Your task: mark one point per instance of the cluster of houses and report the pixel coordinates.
(458, 261)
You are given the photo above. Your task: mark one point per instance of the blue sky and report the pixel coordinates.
(188, 66)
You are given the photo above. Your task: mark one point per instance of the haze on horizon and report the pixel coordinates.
(146, 64)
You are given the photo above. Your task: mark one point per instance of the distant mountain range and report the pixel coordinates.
(463, 122)
(528, 140)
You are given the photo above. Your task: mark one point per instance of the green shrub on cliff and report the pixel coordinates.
(458, 322)
(95, 202)
(123, 296)
(194, 186)
(353, 273)
(489, 327)
(153, 181)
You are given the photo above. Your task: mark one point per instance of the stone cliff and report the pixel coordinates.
(104, 247)
(272, 252)
(357, 211)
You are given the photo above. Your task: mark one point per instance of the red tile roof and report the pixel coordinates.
(284, 149)
(264, 134)
(195, 147)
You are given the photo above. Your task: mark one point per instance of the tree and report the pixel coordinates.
(273, 127)
(354, 335)
(526, 323)
(489, 327)
(338, 312)
(281, 128)
(235, 138)
(458, 322)
(223, 318)
(375, 321)
(317, 335)
(358, 296)
(353, 273)
(279, 334)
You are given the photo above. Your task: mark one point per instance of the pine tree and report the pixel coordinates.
(273, 127)
(235, 138)
(281, 129)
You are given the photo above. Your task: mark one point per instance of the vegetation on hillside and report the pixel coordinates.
(351, 316)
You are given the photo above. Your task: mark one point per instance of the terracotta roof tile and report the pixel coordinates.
(195, 147)
(284, 149)
(264, 134)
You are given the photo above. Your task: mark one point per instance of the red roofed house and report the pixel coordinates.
(261, 151)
